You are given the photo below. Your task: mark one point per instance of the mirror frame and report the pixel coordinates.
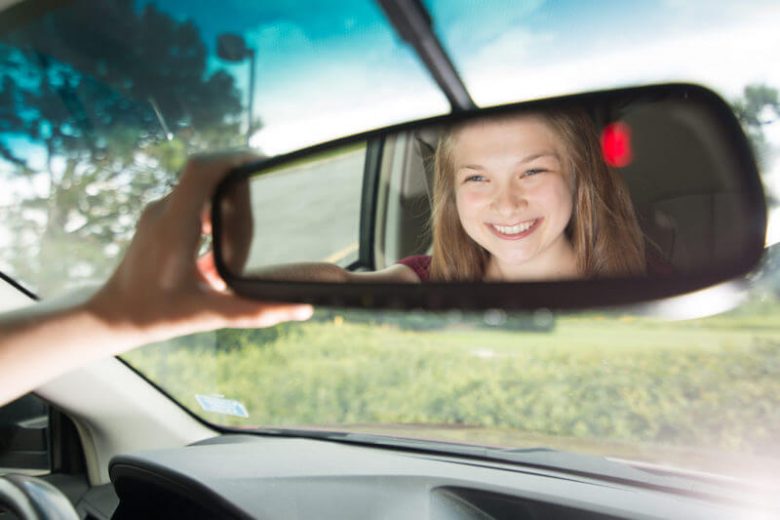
(553, 295)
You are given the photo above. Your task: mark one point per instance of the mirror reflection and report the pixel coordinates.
(624, 188)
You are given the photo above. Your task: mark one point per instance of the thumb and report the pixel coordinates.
(207, 269)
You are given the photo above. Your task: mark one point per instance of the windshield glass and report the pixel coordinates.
(700, 394)
(101, 103)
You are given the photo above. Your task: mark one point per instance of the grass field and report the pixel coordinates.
(681, 390)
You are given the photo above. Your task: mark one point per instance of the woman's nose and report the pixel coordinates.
(508, 199)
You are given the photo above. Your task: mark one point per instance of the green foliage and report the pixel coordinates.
(704, 384)
(230, 340)
(758, 106)
(756, 100)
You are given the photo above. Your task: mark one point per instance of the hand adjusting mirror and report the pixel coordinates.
(604, 198)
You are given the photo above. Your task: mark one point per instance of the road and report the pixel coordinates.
(309, 212)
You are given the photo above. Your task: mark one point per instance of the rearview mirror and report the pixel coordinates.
(597, 199)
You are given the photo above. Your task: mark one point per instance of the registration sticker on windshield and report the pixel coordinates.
(221, 405)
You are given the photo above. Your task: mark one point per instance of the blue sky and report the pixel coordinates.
(323, 68)
(327, 69)
(331, 68)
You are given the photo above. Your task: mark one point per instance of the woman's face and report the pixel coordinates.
(514, 197)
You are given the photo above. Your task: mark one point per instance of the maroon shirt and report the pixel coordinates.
(656, 265)
(420, 264)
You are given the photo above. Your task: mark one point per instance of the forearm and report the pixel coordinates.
(48, 339)
(303, 272)
(158, 291)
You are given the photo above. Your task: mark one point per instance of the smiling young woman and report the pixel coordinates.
(529, 197)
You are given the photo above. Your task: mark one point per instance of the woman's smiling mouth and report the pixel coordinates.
(517, 231)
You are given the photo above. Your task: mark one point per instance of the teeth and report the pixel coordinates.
(513, 230)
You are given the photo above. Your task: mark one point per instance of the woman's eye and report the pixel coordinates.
(475, 178)
(533, 171)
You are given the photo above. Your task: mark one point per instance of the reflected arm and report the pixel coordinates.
(330, 273)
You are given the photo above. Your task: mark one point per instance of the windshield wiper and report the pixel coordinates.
(19, 286)
(413, 23)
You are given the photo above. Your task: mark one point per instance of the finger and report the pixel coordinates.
(237, 312)
(205, 219)
(152, 212)
(200, 177)
(208, 272)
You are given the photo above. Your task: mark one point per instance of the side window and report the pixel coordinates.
(25, 436)
(407, 180)
(309, 211)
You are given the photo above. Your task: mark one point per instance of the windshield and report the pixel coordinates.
(101, 104)
(698, 394)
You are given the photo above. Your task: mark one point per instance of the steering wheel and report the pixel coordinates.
(31, 498)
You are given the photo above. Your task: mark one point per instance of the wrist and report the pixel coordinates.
(108, 317)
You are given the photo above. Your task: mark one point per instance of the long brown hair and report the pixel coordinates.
(603, 229)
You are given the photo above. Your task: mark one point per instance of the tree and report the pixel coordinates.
(100, 103)
(758, 107)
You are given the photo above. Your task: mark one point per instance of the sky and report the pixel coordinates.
(323, 69)
(326, 69)
(327, 72)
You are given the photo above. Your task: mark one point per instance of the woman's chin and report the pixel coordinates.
(512, 268)
(530, 266)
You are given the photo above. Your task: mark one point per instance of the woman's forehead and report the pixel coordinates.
(520, 135)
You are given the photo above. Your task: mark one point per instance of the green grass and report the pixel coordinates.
(704, 386)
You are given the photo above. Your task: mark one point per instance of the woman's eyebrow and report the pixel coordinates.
(526, 159)
(470, 167)
(539, 155)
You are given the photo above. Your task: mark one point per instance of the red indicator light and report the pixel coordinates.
(616, 145)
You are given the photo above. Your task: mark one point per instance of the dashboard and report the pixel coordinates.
(245, 476)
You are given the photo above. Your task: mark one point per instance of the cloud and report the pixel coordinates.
(310, 90)
(725, 59)
(470, 24)
(297, 120)
(279, 39)
(508, 51)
